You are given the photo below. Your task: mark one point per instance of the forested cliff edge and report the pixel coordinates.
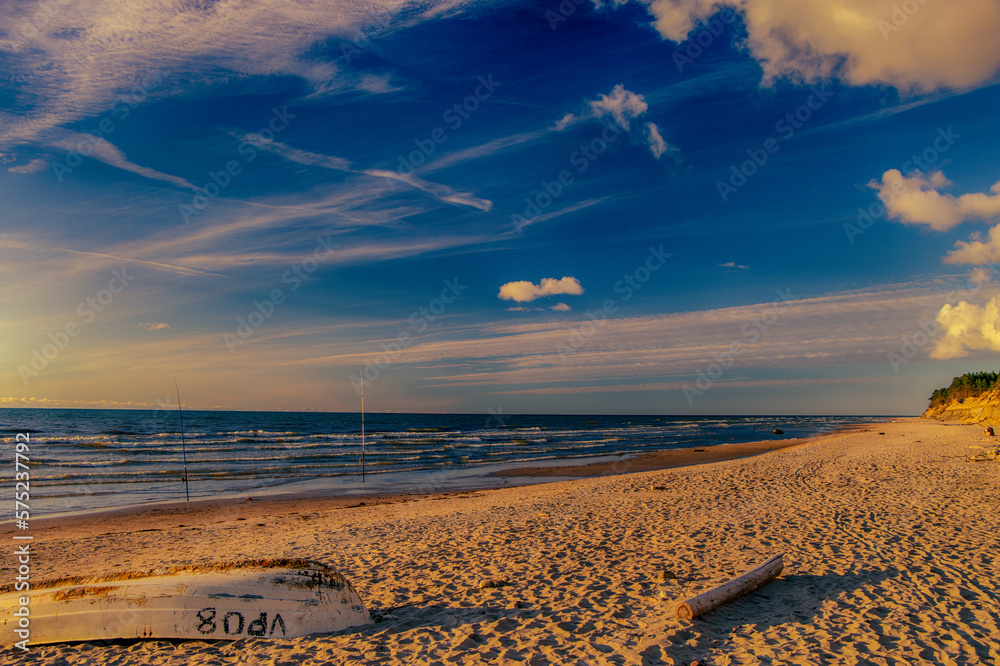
(973, 397)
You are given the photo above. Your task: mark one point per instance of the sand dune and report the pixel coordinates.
(891, 544)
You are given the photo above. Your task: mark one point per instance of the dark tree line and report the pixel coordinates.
(966, 386)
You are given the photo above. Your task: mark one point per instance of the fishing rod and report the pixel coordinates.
(362, 433)
(180, 413)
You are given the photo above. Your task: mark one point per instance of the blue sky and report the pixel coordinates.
(519, 207)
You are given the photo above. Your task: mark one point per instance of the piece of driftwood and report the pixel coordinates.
(747, 582)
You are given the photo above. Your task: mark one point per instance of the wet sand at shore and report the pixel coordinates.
(658, 460)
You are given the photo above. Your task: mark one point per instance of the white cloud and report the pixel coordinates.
(560, 307)
(916, 199)
(980, 276)
(676, 19)
(51, 403)
(525, 292)
(105, 151)
(733, 264)
(968, 327)
(377, 85)
(566, 121)
(235, 236)
(153, 325)
(101, 259)
(441, 192)
(863, 42)
(976, 252)
(484, 150)
(296, 155)
(34, 166)
(623, 106)
(678, 385)
(77, 58)
(657, 145)
(545, 217)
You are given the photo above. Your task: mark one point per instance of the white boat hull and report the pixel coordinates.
(278, 599)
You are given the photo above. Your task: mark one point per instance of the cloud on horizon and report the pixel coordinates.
(836, 330)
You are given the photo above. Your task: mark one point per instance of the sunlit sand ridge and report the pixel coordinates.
(890, 546)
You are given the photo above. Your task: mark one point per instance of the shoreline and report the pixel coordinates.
(643, 462)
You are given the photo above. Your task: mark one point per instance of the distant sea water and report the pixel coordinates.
(85, 460)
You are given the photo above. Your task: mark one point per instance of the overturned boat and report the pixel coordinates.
(283, 598)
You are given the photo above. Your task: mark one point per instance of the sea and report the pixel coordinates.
(84, 460)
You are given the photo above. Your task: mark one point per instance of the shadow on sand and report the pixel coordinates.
(789, 599)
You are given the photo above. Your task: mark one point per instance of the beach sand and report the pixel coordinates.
(891, 544)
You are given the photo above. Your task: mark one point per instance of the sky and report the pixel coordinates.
(645, 206)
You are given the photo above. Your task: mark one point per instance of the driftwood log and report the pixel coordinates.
(747, 582)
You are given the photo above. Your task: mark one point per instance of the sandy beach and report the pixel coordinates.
(890, 545)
